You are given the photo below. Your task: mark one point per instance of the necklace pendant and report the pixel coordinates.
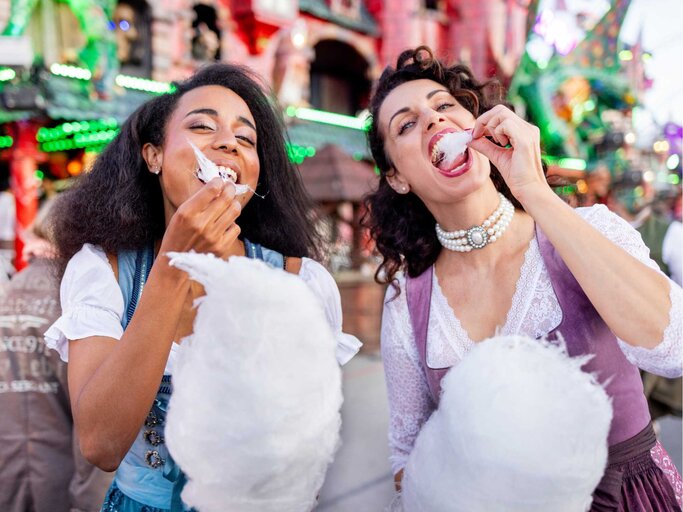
(477, 237)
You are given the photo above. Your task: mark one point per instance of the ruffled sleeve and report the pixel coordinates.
(92, 304)
(323, 286)
(666, 358)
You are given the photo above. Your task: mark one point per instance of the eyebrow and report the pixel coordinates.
(405, 109)
(214, 113)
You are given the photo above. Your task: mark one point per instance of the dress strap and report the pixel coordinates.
(418, 297)
(269, 256)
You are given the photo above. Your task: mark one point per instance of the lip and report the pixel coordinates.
(459, 170)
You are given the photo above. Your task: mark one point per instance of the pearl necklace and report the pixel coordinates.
(478, 237)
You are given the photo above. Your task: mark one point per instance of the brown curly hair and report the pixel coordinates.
(400, 224)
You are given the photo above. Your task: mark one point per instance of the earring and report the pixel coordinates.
(403, 189)
(155, 170)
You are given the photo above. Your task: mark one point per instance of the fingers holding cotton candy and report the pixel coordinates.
(519, 428)
(254, 416)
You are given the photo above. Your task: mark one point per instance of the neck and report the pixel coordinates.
(470, 211)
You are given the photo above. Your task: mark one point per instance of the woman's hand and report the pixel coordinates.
(519, 164)
(205, 222)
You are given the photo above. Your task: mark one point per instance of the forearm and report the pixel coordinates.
(632, 298)
(113, 403)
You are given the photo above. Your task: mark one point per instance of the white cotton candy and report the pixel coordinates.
(209, 170)
(254, 416)
(454, 144)
(520, 428)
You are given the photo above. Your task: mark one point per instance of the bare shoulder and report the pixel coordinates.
(293, 264)
(114, 263)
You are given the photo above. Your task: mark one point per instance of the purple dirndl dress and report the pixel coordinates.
(639, 475)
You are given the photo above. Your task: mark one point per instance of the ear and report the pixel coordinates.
(153, 156)
(397, 182)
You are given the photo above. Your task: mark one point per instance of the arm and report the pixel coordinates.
(112, 383)
(410, 403)
(632, 298)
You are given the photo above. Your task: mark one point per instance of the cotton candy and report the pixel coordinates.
(454, 144)
(520, 428)
(254, 417)
(208, 171)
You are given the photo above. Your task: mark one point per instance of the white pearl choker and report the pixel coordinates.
(477, 237)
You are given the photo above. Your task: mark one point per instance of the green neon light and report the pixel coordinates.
(142, 84)
(297, 154)
(66, 129)
(6, 141)
(320, 116)
(573, 163)
(80, 140)
(7, 74)
(70, 71)
(125, 81)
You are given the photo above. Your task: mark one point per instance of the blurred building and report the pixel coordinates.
(71, 73)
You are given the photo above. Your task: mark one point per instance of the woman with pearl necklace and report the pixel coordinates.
(477, 243)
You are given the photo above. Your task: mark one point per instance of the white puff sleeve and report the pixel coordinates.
(323, 286)
(92, 303)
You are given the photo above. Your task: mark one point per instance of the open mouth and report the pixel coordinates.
(224, 172)
(448, 149)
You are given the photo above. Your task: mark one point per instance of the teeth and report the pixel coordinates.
(227, 173)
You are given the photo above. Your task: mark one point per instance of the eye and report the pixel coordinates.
(402, 128)
(444, 106)
(246, 139)
(200, 126)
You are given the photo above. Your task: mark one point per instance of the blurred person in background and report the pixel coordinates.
(41, 469)
(7, 227)
(598, 183)
(672, 246)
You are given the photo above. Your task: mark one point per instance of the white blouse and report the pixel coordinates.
(92, 304)
(535, 312)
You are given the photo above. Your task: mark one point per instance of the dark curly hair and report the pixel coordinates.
(400, 224)
(118, 204)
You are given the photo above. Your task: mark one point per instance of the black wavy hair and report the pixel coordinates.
(400, 224)
(118, 205)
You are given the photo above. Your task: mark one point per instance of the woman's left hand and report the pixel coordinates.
(519, 164)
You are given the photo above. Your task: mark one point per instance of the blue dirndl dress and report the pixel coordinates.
(148, 479)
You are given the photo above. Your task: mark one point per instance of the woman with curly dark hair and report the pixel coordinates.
(124, 307)
(478, 243)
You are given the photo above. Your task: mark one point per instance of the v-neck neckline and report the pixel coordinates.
(461, 332)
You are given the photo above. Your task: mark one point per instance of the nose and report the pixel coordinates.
(225, 140)
(432, 118)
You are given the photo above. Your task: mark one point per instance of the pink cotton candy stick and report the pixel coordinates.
(454, 144)
(208, 171)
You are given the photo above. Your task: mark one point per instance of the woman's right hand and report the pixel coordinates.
(205, 223)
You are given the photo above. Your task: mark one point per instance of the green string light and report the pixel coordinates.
(6, 141)
(7, 74)
(297, 154)
(70, 71)
(125, 81)
(142, 84)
